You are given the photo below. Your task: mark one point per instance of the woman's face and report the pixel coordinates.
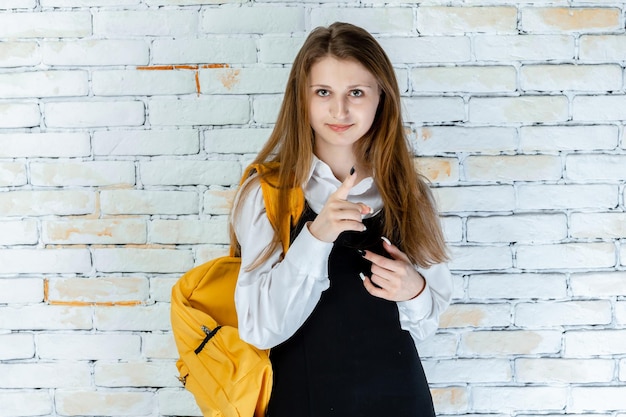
(343, 97)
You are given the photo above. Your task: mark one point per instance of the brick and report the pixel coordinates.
(45, 25)
(190, 231)
(148, 202)
(218, 201)
(18, 4)
(94, 113)
(517, 286)
(136, 374)
(523, 228)
(465, 199)
(374, 20)
(518, 109)
(481, 258)
(207, 252)
(15, 145)
(568, 138)
(452, 400)
(270, 19)
(189, 2)
(13, 115)
(563, 371)
(129, 23)
(452, 228)
(101, 402)
(276, 49)
(161, 288)
(476, 315)
(510, 342)
(45, 261)
(159, 346)
(620, 312)
(434, 109)
(86, 173)
(101, 290)
(45, 375)
(76, 347)
(598, 398)
(142, 260)
(605, 48)
(512, 168)
(599, 108)
(177, 402)
(143, 82)
(568, 313)
(598, 284)
(213, 110)
(566, 256)
(173, 172)
(201, 51)
(41, 203)
(570, 19)
(433, 140)
(94, 231)
(596, 167)
(446, 20)
(44, 84)
(16, 346)
(17, 54)
(265, 108)
(21, 290)
(598, 225)
(438, 345)
(566, 196)
(567, 77)
(153, 317)
(467, 371)
(524, 47)
(45, 317)
(96, 52)
(88, 3)
(427, 49)
(238, 141)
(474, 79)
(438, 170)
(243, 80)
(12, 403)
(12, 174)
(146, 142)
(516, 399)
(584, 343)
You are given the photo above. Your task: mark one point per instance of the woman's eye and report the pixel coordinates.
(356, 93)
(322, 93)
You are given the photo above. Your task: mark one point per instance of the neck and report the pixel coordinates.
(341, 161)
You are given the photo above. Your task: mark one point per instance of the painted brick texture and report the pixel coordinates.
(124, 128)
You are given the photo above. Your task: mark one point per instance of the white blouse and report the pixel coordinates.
(275, 299)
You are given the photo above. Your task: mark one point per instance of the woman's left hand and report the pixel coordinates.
(397, 278)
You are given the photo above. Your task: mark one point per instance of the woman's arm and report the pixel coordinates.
(274, 299)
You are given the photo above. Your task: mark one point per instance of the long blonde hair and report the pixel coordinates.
(411, 220)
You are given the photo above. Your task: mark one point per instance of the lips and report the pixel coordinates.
(339, 128)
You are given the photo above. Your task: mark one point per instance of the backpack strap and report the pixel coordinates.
(268, 176)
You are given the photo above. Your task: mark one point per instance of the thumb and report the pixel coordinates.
(346, 185)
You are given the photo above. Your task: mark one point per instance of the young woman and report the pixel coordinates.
(365, 277)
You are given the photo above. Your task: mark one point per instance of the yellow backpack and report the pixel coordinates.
(227, 376)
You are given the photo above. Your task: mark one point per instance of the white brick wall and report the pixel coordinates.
(125, 125)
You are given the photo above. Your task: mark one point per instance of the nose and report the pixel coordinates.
(339, 108)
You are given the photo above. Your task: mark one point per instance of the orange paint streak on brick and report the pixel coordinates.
(95, 303)
(46, 289)
(156, 68)
(215, 66)
(198, 83)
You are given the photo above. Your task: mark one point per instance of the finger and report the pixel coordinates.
(393, 250)
(346, 185)
(373, 289)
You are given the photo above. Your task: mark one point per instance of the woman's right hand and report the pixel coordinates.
(339, 214)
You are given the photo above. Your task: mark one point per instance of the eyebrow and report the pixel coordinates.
(350, 87)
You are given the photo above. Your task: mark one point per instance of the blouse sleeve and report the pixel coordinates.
(420, 316)
(274, 299)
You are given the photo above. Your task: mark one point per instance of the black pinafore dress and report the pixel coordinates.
(350, 358)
